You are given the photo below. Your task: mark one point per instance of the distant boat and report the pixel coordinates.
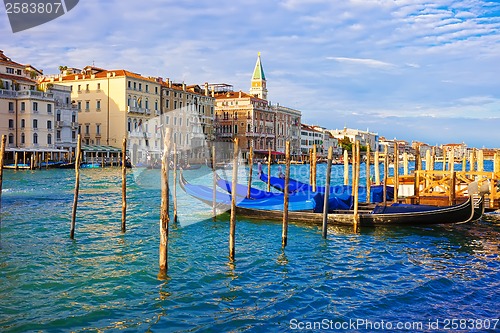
(19, 166)
(90, 165)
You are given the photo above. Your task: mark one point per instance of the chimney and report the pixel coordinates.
(206, 88)
(183, 86)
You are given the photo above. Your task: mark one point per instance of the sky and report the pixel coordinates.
(412, 70)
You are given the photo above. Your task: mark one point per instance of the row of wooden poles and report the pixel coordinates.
(284, 237)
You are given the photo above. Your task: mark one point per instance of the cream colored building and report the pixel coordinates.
(117, 104)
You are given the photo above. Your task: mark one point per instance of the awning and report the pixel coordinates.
(100, 149)
(37, 150)
(266, 152)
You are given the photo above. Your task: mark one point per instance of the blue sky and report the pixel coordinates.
(406, 69)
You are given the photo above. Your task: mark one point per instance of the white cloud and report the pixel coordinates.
(378, 59)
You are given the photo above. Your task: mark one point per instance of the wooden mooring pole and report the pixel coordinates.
(77, 186)
(376, 166)
(2, 152)
(250, 171)
(346, 167)
(396, 171)
(174, 187)
(314, 162)
(269, 171)
(356, 167)
(368, 176)
(214, 184)
(164, 210)
(284, 235)
(124, 184)
(232, 222)
(386, 172)
(327, 192)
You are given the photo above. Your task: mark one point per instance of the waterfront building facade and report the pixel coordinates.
(117, 104)
(26, 113)
(254, 120)
(365, 138)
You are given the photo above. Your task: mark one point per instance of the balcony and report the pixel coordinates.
(7, 93)
(35, 94)
(225, 135)
(134, 109)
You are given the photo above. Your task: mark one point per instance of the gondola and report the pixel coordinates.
(337, 200)
(302, 203)
(376, 191)
(379, 216)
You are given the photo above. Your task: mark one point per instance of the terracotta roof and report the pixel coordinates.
(6, 60)
(104, 74)
(17, 78)
(236, 94)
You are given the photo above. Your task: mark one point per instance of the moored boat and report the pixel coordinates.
(414, 215)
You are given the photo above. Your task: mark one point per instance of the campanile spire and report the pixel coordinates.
(258, 87)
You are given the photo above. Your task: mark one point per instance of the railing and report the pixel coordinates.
(134, 109)
(454, 184)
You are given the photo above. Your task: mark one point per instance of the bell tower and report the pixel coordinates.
(258, 87)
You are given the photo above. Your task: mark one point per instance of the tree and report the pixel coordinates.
(345, 143)
(62, 68)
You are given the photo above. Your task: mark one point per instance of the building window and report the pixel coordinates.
(98, 129)
(49, 108)
(35, 106)
(11, 106)
(98, 105)
(23, 123)
(87, 129)
(129, 84)
(79, 88)
(23, 139)
(11, 139)
(167, 103)
(135, 85)
(147, 88)
(87, 105)
(35, 123)
(35, 138)
(11, 123)
(49, 124)
(73, 118)
(140, 86)
(49, 139)
(156, 105)
(23, 106)
(87, 87)
(147, 104)
(128, 100)
(129, 125)
(98, 86)
(79, 105)
(10, 70)
(58, 115)
(73, 135)
(156, 90)
(58, 135)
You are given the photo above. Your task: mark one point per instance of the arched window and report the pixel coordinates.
(49, 139)
(11, 138)
(35, 138)
(129, 125)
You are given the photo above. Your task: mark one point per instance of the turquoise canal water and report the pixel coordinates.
(414, 279)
